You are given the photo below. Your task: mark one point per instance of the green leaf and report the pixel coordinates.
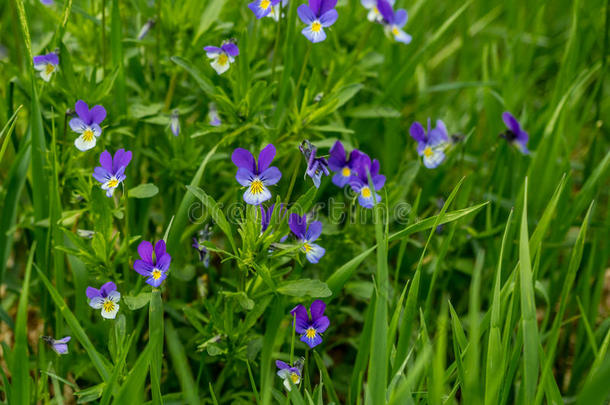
(303, 287)
(138, 301)
(143, 191)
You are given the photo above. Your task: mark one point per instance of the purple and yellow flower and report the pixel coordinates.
(394, 21)
(46, 64)
(268, 213)
(112, 171)
(222, 57)
(343, 168)
(374, 15)
(316, 166)
(155, 268)
(359, 181)
(310, 328)
(276, 11)
(262, 8)
(174, 122)
(87, 124)
(431, 144)
(59, 346)
(213, 115)
(106, 298)
(198, 243)
(515, 134)
(289, 374)
(256, 176)
(319, 14)
(307, 235)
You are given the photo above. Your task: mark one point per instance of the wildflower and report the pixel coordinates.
(85, 233)
(106, 298)
(288, 374)
(60, 346)
(277, 10)
(310, 329)
(306, 235)
(203, 236)
(515, 134)
(112, 171)
(319, 14)
(47, 2)
(46, 64)
(431, 144)
(87, 124)
(154, 268)
(262, 8)
(146, 28)
(374, 15)
(316, 167)
(174, 123)
(256, 176)
(213, 115)
(394, 21)
(343, 168)
(359, 181)
(222, 57)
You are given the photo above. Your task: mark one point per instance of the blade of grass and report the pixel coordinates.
(181, 364)
(155, 326)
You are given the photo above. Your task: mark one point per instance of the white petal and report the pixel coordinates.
(96, 302)
(83, 145)
(220, 69)
(110, 314)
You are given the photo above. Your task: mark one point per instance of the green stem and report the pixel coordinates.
(155, 325)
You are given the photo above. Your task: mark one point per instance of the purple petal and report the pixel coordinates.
(316, 340)
(297, 224)
(326, 5)
(400, 18)
(164, 261)
(60, 348)
(328, 18)
(436, 137)
(265, 157)
(336, 160)
(102, 175)
(243, 158)
(306, 14)
(417, 132)
(314, 6)
(386, 11)
(106, 160)
(121, 159)
(231, 49)
(511, 122)
(301, 318)
(314, 253)
(356, 184)
(107, 288)
(244, 176)
(158, 282)
(93, 292)
(378, 181)
(321, 324)
(78, 125)
(159, 249)
(258, 11)
(317, 309)
(82, 109)
(64, 340)
(340, 180)
(142, 267)
(313, 231)
(145, 250)
(97, 114)
(271, 176)
(281, 365)
(212, 50)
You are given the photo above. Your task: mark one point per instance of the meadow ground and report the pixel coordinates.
(264, 220)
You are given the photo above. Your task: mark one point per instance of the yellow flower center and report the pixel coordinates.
(256, 187)
(428, 151)
(295, 378)
(265, 4)
(346, 172)
(307, 247)
(316, 26)
(366, 192)
(49, 69)
(223, 59)
(395, 31)
(375, 10)
(108, 305)
(112, 183)
(88, 135)
(310, 333)
(156, 274)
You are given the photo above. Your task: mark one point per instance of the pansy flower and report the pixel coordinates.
(431, 144)
(174, 122)
(342, 167)
(59, 346)
(316, 166)
(359, 181)
(222, 57)
(262, 8)
(107, 298)
(394, 21)
(154, 268)
(515, 134)
(268, 213)
(319, 14)
(198, 243)
(213, 116)
(310, 328)
(87, 124)
(276, 11)
(46, 64)
(256, 176)
(289, 374)
(112, 171)
(374, 15)
(307, 235)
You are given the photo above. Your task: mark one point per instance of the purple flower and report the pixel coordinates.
(256, 176)
(213, 115)
(46, 64)
(310, 329)
(316, 166)
(154, 268)
(289, 374)
(146, 28)
(267, 214)
(60, 346)
(222, 57)
(374, 15)
(306, 235)
(318, 15)
(87, 124)
(262, 8)
(47, 2)
(276, 10)
(174, 122)
(431, 144)
(106, 298)
(515, 134)
(394, 21)
(112, 171)
(359, 181)
(203, 236)
(342, 167)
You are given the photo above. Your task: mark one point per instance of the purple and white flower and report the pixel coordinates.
(289, 374)
(87, 124)
(343, 168)
(112, 171)
(374, 15)
(154, 268)
(316, 166)
(359, 181)
(213, 116)
(262, 8)
(276, 11)
(46, 64)
(319, 14)
(106, 298)
(515, 134)
(222, 57)
(310, 328)
(307, 235)
(431, 145)
(59, 346)
(394, 21)
(198, 243)
(174, 122)
(256, 176)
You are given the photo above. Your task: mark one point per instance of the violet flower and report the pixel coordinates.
(47, 2)
(342, 167)
(46, 64)
(203, 236)
(289, 374)
(310, 329)
(154, 268)
(316, 166)
(174, 122)
(515, 134)
(359, 181)
(394, 21)
(374, 15)
(59, 346)
(431, 144)
(276, 11)
(213, 115)
(267, 214)
(106, 298)
(319, 14)
(87, 124)
(222, 57)
(262, 8)
(307, 235)
(256, 176)
(112, 171)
